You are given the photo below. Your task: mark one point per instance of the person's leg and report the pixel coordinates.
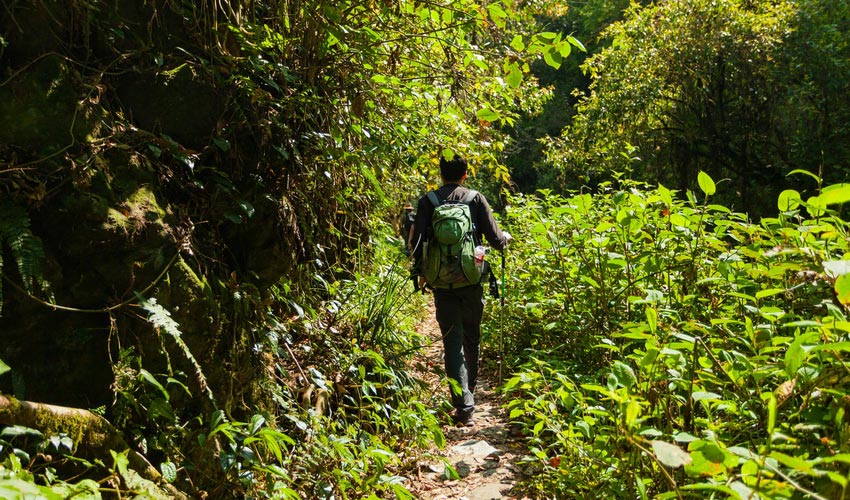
(450, 314)
(473, 311)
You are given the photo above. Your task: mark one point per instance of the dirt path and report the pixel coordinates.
(484, 456)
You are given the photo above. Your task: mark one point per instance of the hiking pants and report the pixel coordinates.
(459, 313)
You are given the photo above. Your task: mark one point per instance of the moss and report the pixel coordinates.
(117, 219)
(81, 428)
(199, 282)
(13, 409)
(142, 202)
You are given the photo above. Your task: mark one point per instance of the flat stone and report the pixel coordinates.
(490, 491)
(476, 448)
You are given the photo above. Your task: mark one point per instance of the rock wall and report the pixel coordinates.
(148, 166)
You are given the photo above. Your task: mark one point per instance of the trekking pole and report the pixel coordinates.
(502, 319)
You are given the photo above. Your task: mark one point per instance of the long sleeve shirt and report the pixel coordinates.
(482, 219)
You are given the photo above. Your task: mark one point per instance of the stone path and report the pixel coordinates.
(484, 456)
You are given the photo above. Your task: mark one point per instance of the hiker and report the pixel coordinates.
(459, 302)
(405, 227)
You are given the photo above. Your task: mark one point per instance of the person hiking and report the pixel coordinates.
(460, 302)
(405, 227)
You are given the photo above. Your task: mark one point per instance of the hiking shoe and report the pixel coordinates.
(463, 418)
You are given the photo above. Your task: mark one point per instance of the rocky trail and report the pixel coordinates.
(485, 456)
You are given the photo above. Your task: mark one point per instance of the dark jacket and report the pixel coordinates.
(482, 218)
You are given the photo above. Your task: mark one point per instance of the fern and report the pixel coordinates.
(26, 248)
(160, 318)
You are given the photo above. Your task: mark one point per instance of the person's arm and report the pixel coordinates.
(488, 227)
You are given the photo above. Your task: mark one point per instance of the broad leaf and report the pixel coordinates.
(706, 183)
(835, 194)
(487, 114)
(842, 289)
(788, 200)
(670, 454)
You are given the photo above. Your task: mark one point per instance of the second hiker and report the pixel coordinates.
(450, 223)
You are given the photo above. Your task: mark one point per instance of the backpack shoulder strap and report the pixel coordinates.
(470, 195)
(432, 197)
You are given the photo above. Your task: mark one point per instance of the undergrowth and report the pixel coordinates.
(670, 348)
(344, 417)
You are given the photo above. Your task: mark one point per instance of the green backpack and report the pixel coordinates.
(448, 259)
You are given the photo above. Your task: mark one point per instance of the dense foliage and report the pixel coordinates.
(669, 348)
(185, 188)
(196, 201)
(742, 90)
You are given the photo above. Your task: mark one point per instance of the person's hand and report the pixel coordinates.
(422, 283)
(508, 237)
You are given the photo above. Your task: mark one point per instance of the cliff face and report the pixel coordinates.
(145, 153)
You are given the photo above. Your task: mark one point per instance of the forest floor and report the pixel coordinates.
(484, 456)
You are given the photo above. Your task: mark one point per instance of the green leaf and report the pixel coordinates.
(487, 114)
(4, 367)
(652, 319)
(517, 43)
(553, 57)
(18, 489)
(842, 289)
(684, 437)
(247, 208)
(804, 172)
(795, 354)
(514, 76)
(19, 430)
(149, 378)
(705, 396)
(769, 292)
(815, 206)
(706, 183)
(497, 14)
(223, 144)
(832, 346)
(789, 200)
(771, 413)
(796, 463)
(576, 42)
(624, 373)
(121, 461)
(451, 473)
(835, 194)
(169, 471)
(257, 422)
(670, 454)
(713, 487)
(709, 459)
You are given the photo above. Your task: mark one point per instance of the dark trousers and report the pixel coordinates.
(459, 313)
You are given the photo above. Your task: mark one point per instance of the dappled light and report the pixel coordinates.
(214, 284)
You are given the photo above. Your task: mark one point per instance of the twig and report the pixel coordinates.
(97, 311)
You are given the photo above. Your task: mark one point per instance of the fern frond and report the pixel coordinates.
(29, 255)
(160, 318)
(26, 247)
